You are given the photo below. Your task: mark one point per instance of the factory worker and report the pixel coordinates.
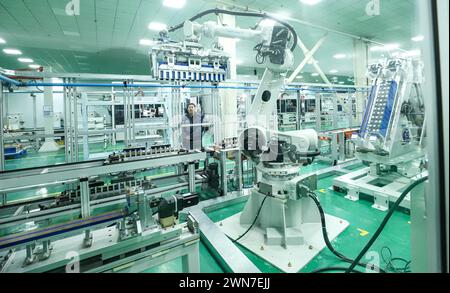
(192, 132)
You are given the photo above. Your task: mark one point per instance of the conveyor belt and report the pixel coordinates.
(25, 178)
(49, 169)
(24, 237)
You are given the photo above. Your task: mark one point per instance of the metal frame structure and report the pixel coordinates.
(72, 174)
(223, 201)
(113, 255)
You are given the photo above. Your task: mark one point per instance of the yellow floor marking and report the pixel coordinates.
(323, 190)
(362, 232)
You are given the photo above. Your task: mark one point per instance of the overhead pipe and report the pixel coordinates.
(9, 80)
(136, 85)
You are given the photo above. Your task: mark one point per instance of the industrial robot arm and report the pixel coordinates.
(272, 50)
(262, 141)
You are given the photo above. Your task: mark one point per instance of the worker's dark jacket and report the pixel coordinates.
(192, 135)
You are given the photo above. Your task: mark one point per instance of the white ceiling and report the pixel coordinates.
(104, 38)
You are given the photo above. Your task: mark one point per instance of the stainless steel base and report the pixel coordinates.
(382, 189)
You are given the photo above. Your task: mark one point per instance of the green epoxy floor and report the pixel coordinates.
(363, 220)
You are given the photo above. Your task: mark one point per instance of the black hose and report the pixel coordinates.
(241, 13)
(254, 221)
(385, 220)
(333, 269)
(327, 240)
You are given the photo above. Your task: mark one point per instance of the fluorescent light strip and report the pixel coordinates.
(310, 2)
(419, 38)
(157, 26)
(25, 60)
(339, 56)
(2, 41)
(146, 42)
(12, 51)
(174, 3)
(387, 47)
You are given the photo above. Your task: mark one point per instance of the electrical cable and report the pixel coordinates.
(39, 90)
(384, 222)
(242, 13)
(389, 260)
(254, 221)
(313, 196)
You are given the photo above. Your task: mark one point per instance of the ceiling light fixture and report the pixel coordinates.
(25, 60)
(157, 26)
(174, 3)
(333, 71)
(310, 2)
(339, 56)
(2, 41)
(146, 42)
(419, 38)
(34, 66)
(12, 51)
(314, 74)
(387, 47)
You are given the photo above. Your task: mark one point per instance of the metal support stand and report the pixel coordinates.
(318, 112)
(238, 165)
(75, 126)
(36, 139)
(191, 175)
(84, 115)
(85, 208)
(46, 250)
(66, 123)
(30, 256)
(113, 116)
(353, 193)
(191, 262)
(341, 139)
(223, 165)
(334, 148)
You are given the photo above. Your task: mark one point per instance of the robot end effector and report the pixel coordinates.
(272, 39)
(268, 146)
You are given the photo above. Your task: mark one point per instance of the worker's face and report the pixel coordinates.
(191, 110)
